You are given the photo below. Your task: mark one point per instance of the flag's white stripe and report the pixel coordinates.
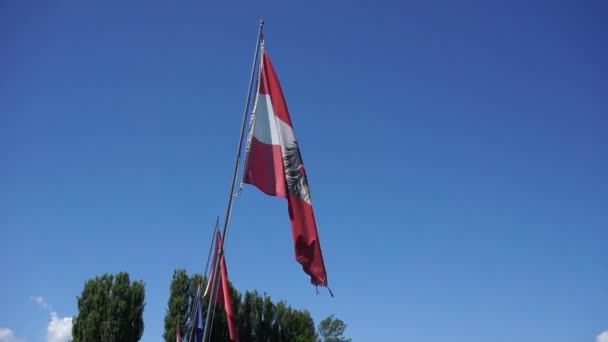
(265, 128)
(268, 128)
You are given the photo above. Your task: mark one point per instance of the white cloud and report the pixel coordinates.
(7, 335)
(40, 301)
(603, 337)
(59, 329)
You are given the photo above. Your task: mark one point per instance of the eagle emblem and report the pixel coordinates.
(294, 172)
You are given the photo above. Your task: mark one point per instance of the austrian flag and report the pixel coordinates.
(274, 165)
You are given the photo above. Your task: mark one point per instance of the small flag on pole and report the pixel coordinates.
(198, 319)
(222, 294)
(274, 165)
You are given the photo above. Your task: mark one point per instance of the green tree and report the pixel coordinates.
(332, 330)
(110, 309)
(258, 317)
(219, 331)
(183, 292)
(177, 307)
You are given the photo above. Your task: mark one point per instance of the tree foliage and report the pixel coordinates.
(262, 320)
(332, 330)
(258, 317)
(110, 309)
(177, 308)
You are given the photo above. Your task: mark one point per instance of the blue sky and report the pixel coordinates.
(456, 151)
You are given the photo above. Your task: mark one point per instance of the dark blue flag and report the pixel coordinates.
(200, 325)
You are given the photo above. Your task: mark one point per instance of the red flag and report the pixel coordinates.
(179, 335)
(274, 165)
(222, 294)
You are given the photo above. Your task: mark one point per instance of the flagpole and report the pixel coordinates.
(193, 313)
(194, 307)
(217, 227)
(215, 270)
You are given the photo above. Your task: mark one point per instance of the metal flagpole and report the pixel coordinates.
(213, 312)
(193, 313)
(194, 307)
(215, 269)
(217, 227)
(218, 288)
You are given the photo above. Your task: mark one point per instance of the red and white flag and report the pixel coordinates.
(274, 165)
(222, 294)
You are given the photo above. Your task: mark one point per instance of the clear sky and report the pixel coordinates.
(457, 153)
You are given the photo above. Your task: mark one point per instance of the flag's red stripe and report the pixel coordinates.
(265, 168)
(306, 239)
(227, 297)
(223, 295)
(270, 85)
(231, 317)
